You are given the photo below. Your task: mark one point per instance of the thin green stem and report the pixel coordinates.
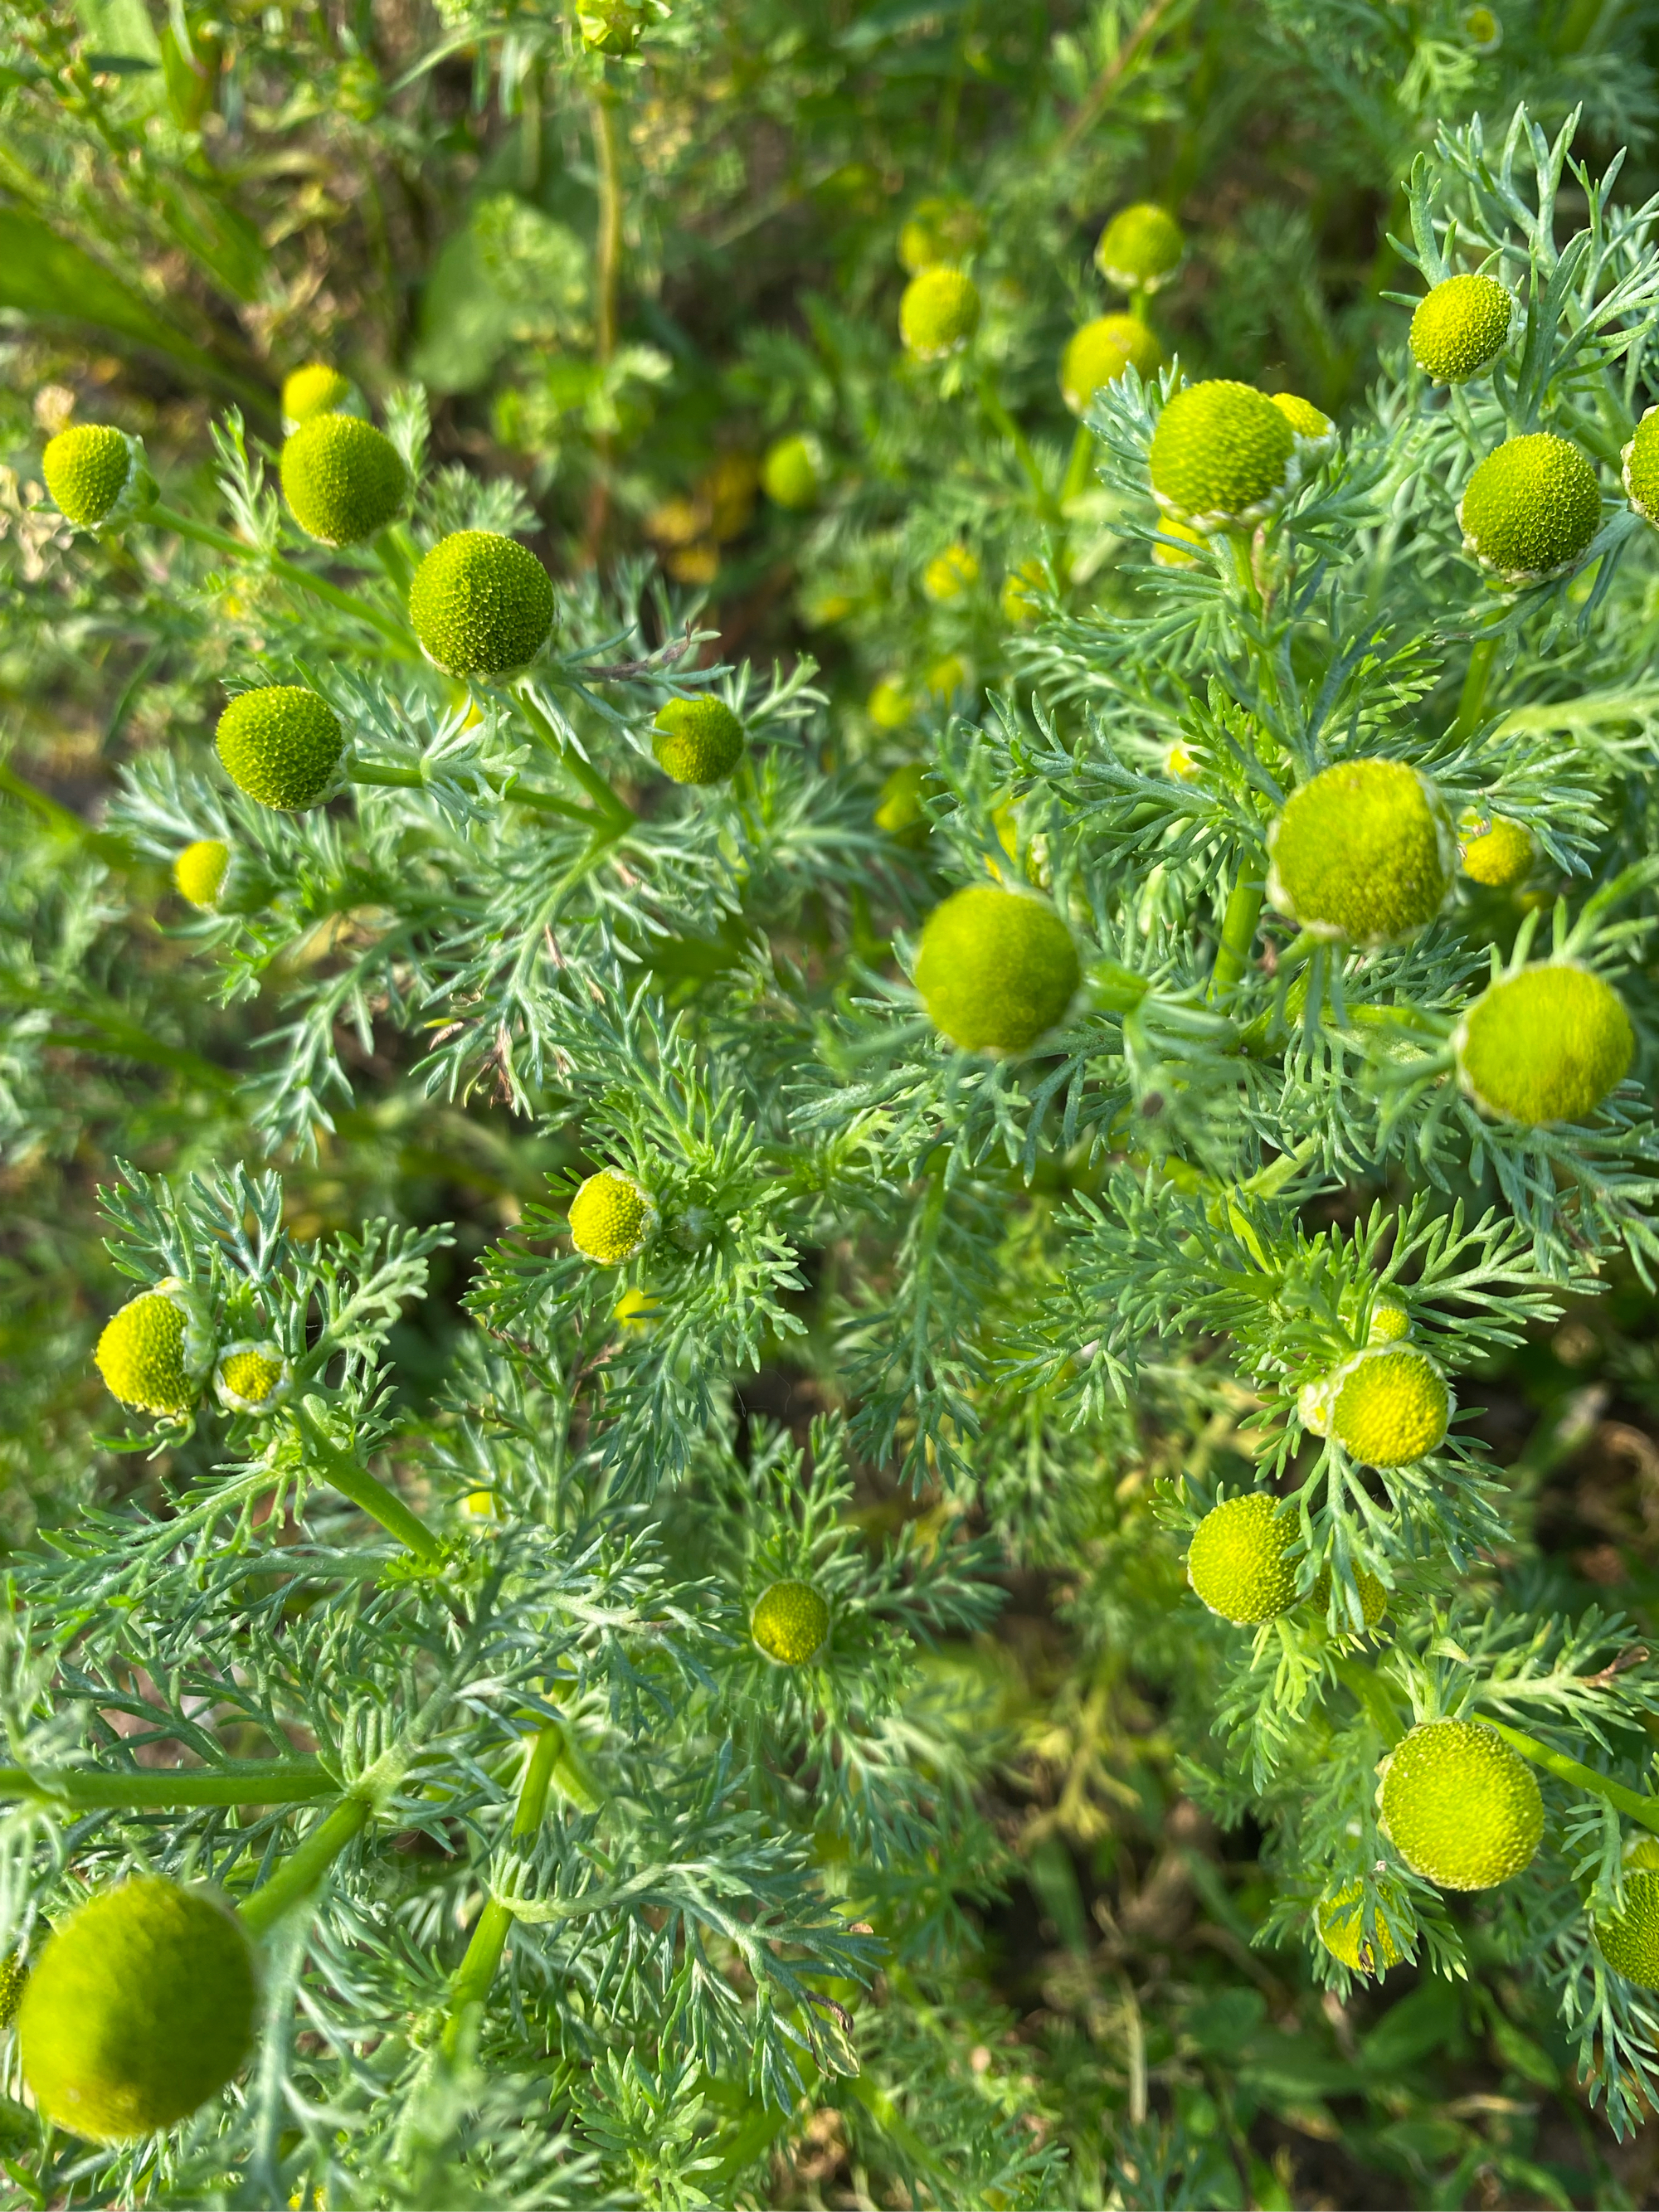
(160, 517)
(305, 1866)
(477, 1972)
(580, 772)
(991, 400)
(237, 1782)
(1237, 930)
(1628, 1801)
(367, 1493)
(1476, 677)
(1079, 467)
(513, 794)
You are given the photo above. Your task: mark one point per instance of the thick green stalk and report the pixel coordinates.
(1237, 930)
(367, 1493)
(1628, 1801)
(477, 1969)
(1476, 680)
(579, 771)
(237, 1782)
(303, 579)
(513, 794)
(305, 1866)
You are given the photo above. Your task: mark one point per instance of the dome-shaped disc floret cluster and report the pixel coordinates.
(343, 480)
(950, 575)
(140, 2008)
(1545, 1045)
(1363, 853)
(1389, 1407)
(1339, 1918)
(14, 1980)
(1629, 1940)
(793, 471)
(86, 469)
(940, 230)
(481, 603)
(1241, 1561)
(1100, 352)
(696, 740)
(1493, 850)
(939, 314)
(316, 389)
(1389, 1323)
(1640, 469)
(152, 1354)
(1314, 429)
(1461, 327)
(282, 745)
(1141, 248)
(1531, 509)
(1222, 455)
(791, 1623)
(611, 1217)
(200, 870)
(1373, 1596)
(997, 967)
(252, 1376)
(1460, 1806)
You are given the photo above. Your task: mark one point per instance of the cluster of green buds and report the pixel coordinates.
(157, 1353)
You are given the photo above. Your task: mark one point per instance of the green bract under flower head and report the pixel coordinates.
(1221, 455)
(792, 472)
(1640, 467)
(1391, 1405)
(996, 968)
(153, 1352)
(939, 314)
(1545, 1045)
(1629, 1940)
(87, 468)
(791, 1623)
(282, 745)
(1241, 1561)
(1363, 853)
(316, 389)
(940, 230)
(252, 1376)
(1339, 1916)
(611, 1217)
(950, 575)
(139, 2008)
(1141, 248)
(1531, 508)
(482, 605)
(343, 480)
(1493, 851)
(1460, 1806)
(1461, 327)
(1099, 353)
(696, 740)
(200, 870)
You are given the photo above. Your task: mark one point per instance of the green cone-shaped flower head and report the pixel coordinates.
(611, 1217)
(1461, 327)
(316, 389)
(940, 230)
(793, 472)
(1241, 1562)
(1363, 853)
(1629, 1940)
(482, 605)
(140, 2008)
(282, 745)
(1100, 352)
(1531, 509)
(1222, 454)
(200, 870)
(791, 1623)
(1640, 470)
(1545, 1045)
(343, 480)
(87, 468)
(1373, 1598)
(153, 1352)
(1141, 248)
(1390, 1406)
(939, 314)
(696, 740)
(996, 968)
(252, 1376)
(1460, 1806)
(1339, 1918)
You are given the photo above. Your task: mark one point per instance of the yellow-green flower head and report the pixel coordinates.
(793, 471)
(1545, 1045)
(950, 575)
(1629, 1940)
(282, 745)
(482, 605)
(1241, 1563)
(1483, 30)
(636, 1309)
(343, 480)
(1460, 1806)
(791, 1623)
(200, 870)
(1100, 352)
(154, 1353)
(14, 1980)
(1222, 454)
(1493, 850)
(1390, 1323)
(942, 678)
(1639, 470)
(87, 468)
(611, 1217)
(939, 314)
(1339, 1918)
(889, 705)
(1363, 853)
(140, 2008)
(696, 740)
(940, 230)
(316, 389)
(899, 809)
(1314, 431)
(1180, 762)
(1141, 248)
(252, 1376)
(1459, 328)
(610, 26)
(1170, 546)
(996, 968)
(1024, 590)
(1391, 1405)
(1373, 1595)
(1531, 509)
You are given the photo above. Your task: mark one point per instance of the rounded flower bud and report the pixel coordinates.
(996, 968)
(200, 870)
(1459, 328)
(1339, 1918)
(140, 2008)
(1629, 1940)
(1240, 1562)
(316, 389)
(1483, 29)
(1493, 851)
(791, 1623)
(1460, 1806)
(1389, 1322)
(1221, 455)
(282, 745)
(1545, 1045)
(1180, 762)
(1141, 248)
(1100, 352)
(889, 705)
(1363, 853)
(343, 480)
(1531, 509)
(940, 230)
(87, 468)
(696, 740)
(1024, 590)
(793, 471)
(1390, 1406)
(482, 605)
(1373, 1596)
(252, 1376)
(950, 575)
(899, 810)
(1640, 469)
(153, 1352)
(1314, 431)
(939, 314)
(611, 1217)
